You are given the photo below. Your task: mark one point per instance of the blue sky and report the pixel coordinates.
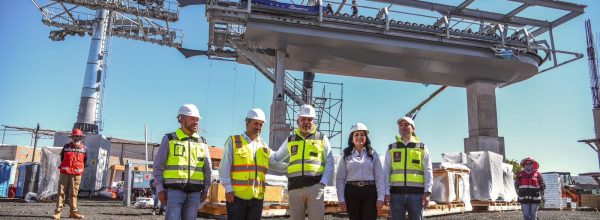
(40, 81)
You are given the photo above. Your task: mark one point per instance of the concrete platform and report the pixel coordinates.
(412, 58)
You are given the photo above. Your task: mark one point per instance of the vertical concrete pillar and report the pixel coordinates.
(596, 112)
(483, 119)
(307, 87)
(279, 129)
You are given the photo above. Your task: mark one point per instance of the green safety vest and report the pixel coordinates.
(407, 164)
(185, 161)
(306, 154)
(248, 170)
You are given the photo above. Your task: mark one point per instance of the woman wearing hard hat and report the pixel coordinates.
(360, 176)
(530, 186)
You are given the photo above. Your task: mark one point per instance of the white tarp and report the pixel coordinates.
(508, 193)
(444, 186)
(49, 173)
(488, 178)
(455, 157)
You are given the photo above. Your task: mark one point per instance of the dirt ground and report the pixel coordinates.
(110, 209)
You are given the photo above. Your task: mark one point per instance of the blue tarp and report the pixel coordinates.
(302, 8)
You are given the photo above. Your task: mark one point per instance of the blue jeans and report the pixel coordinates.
(400, 203)
(529, 210)
(181, 205)
(157, 202)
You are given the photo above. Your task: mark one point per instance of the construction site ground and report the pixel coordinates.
(112, 209)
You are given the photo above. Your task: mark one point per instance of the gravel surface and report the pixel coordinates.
(110, 209)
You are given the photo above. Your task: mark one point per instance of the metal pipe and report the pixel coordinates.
(146, 145)
(320, 10)
(88, 106)
(552, 44)
(36, 136)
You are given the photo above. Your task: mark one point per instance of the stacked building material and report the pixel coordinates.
(552, 193)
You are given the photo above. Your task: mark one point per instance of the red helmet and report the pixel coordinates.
(536, 165)
(76, 132)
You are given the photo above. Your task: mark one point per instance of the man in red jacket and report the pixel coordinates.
(73, 160)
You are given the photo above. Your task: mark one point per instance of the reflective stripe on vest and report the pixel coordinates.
(306, 154)
(185, 161)
(248, 170)
(407, 164)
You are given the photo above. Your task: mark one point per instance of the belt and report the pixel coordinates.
(361, 183)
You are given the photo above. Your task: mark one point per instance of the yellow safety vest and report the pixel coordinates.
(407, 164)
(306, 154)
(185, 161)
(247, 170)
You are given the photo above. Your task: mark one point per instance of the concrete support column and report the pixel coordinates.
(307, 87)
(279, 129)
(483, 119)
(596, 112)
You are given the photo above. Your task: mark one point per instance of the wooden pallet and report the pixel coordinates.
(495, 206)
(270, 210)
(433, 210)
(11, 200)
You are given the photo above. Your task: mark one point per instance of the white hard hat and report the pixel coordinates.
(257, 114)
(306, 111)
(359, 127)
(409, 120)
(189, 110)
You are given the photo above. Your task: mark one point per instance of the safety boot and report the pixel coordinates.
(75, 214)
(56, 215)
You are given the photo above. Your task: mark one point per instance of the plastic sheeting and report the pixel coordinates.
(49, 175)
(330, 194)
(8, 169)
(451, 185)
(552, 193)
(508, 193)
(455, 157)
(487, 183)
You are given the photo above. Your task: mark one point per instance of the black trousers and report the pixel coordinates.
(361, 202)
(241, 209)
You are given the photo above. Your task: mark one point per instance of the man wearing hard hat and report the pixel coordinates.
(408, 175)
(310, 166)
(182, 167)
(243, 168)
(73, 160)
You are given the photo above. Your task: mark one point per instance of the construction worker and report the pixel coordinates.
(243, 168)
(354, 9)
(407, 173)
(359, 179)
(73, 161)
(530, 186)
(329, 9)
(182, 167)
(310, 166)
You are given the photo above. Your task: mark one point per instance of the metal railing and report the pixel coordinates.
(157, 9)
(139, 28)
